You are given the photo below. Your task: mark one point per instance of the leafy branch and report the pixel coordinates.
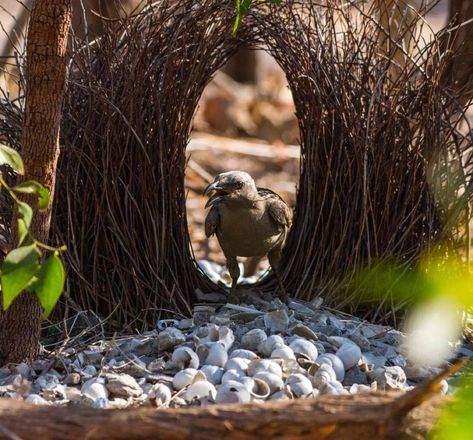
(242, 8)
(24, 268)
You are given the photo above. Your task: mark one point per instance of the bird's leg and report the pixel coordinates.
(274, 255)
(234, 269)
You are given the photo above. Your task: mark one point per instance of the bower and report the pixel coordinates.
(373, 151)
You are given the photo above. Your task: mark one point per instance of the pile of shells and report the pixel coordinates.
(225, 354)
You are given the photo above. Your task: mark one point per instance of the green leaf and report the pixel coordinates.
(50, 284)
(18, 269)
(33, 187)
(25, 222)
(11, 157)
(22, 231)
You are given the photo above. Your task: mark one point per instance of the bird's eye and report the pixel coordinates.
(239, 185)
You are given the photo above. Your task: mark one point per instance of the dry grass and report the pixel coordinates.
(379, 156)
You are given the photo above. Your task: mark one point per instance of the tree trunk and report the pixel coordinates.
(459, 73)
(46, 71)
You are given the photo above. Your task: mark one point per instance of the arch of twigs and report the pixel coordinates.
(375, 150)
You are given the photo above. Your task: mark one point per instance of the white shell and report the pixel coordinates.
(260, 389)
(274, 382)
(183, 378)
(350, 354)
(270, 344)
(237, 364)
(222, 334)
(257, 365)
(322, 374)
(232, 392)
(160, 393)
(232, 375)
(244, 354)
(282, 395)
(304, 347)
(200, 390)
(299, 385)
(184, 357)
(252, 339)
(212, 373)
(335, 362)
(283, 352)
(212, 353)
(333, 388)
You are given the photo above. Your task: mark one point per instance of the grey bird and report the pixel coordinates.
(248, 221)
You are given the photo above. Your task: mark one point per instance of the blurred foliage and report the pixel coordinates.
(24, 268)
(439, 275)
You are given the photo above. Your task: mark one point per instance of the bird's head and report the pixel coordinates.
(232, 185)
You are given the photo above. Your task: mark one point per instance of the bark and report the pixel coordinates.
(458, 75)
(362, 416)
(46, 70)
(354, 417)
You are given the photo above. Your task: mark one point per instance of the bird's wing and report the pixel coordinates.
(277, 207)
(212, 221)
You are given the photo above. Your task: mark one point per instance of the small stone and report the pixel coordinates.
(397, 360)
(157, 365)
(117, 403)
(389, 378)
(95, 389)
(123, 385)
(277, 321)
(329, 330)
(202, 314)
(36, 399)
(92, 357)
(72, 379)
(304, 332)
(355, 376)
(23, 369)
(361, 341)
(186, 324)
(89, 371)
(169, 338)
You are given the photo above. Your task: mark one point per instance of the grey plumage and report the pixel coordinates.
(247, 220)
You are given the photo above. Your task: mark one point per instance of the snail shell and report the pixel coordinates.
(270, 344)
(274, 382)
(213, 373)
(321, 374)
(237, 364)
(253, 339)
(200, 390)
(299, 385)
(232, 392)
(184, 357)
(234, 375)
(335, 362)
(244, 354)
(304, 347)
(222, 334)
(184, 378)
(270, 365)
(160, 393)
(212, 353)
(283, 352)
(350, 354)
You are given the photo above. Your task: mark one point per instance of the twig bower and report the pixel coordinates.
(375, 151)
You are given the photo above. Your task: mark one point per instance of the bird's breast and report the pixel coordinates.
(247, 232)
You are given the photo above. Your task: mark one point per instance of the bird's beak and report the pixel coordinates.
(212, 187)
